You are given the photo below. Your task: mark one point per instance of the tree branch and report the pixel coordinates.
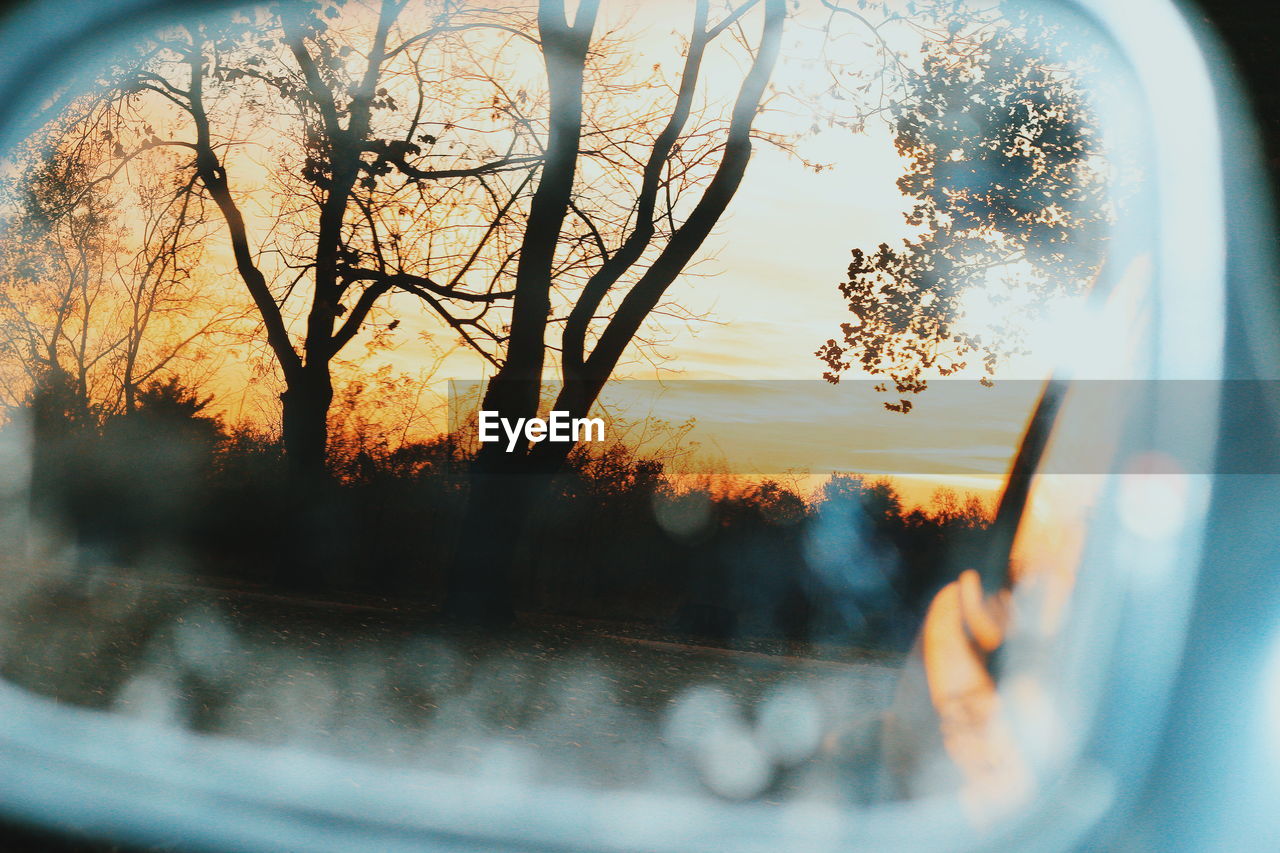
(413, 283)
(573, 338)
(214, 178)
(648, 291)
(517, 386)
(396, 151)
(357, 316)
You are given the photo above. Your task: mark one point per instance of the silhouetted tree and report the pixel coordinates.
(1005, 181)
(1005, 175)
(104, 305)
(502, 490)
(419, 153)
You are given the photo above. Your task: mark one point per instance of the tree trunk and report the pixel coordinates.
(505, 489)
(504, 486)
(305, 430)
(480, 582)
(311, 544)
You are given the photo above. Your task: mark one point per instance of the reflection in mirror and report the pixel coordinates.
(241, 263)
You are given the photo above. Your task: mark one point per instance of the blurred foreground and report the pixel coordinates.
(575, 703)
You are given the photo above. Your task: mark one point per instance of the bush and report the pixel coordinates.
(615, 537)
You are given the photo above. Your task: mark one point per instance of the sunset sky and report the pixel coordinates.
(762, 296)
(765, 290)
(768, 293)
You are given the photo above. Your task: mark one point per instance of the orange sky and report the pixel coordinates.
(766, 286)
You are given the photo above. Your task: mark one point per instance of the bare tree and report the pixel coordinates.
(511, 170)
(54, 275)
(91, 306)
(422, 154)
(347, 214)
(499, 501)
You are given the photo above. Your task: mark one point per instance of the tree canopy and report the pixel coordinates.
(1005, 182)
